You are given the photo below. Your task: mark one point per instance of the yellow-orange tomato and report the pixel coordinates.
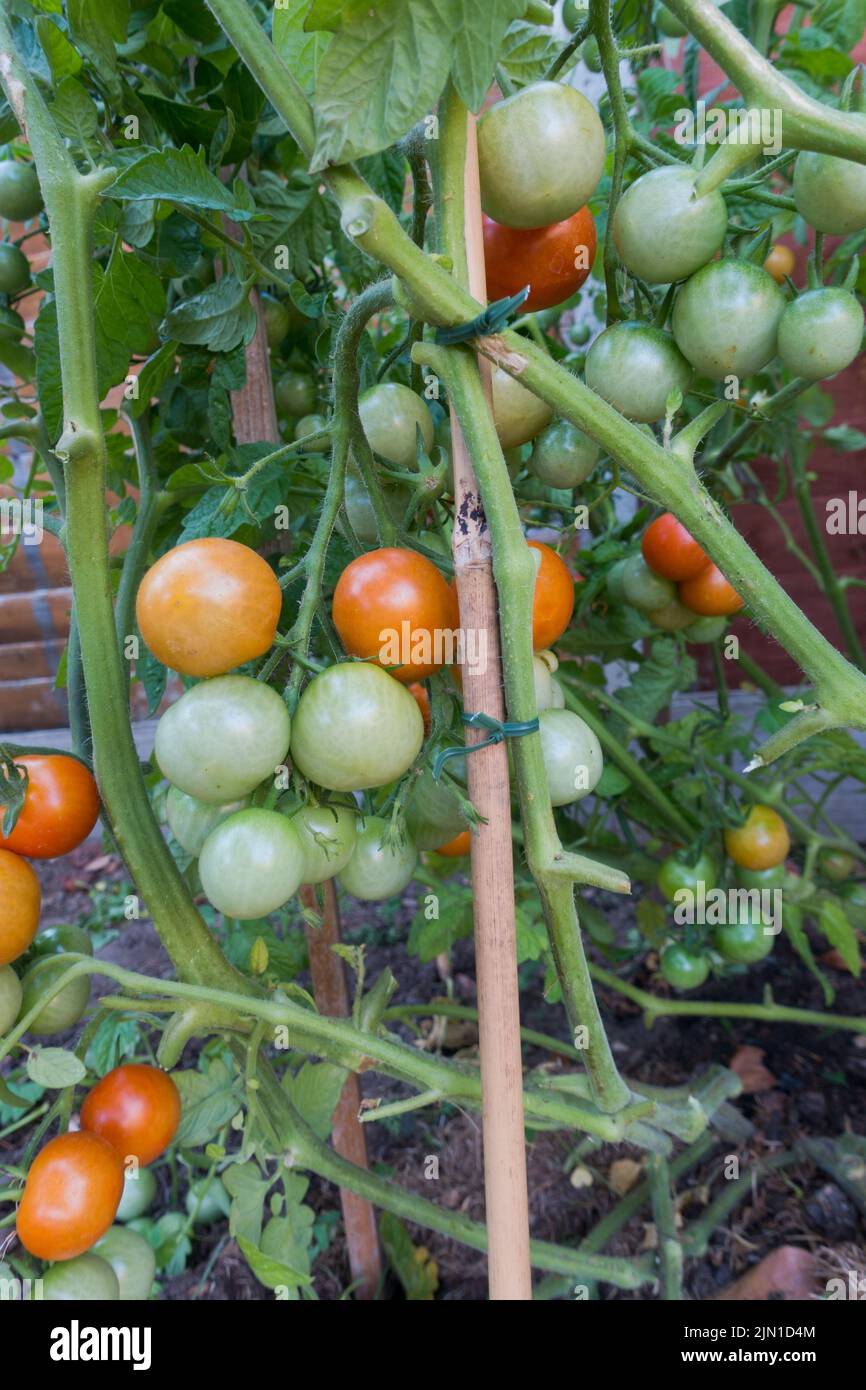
(60, 808)
(70, 1197)
(422, 700)
(394, 606)
(208, 606)
(20, 897)
(553, 598)
(761, 842)
(779, 262)
(457, 847)
(135, 1108)
(710, 594)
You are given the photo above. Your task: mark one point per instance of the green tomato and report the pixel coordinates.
(10, 998)
(191, 821)
(11, 326)
(377, 870)
(251, 864)
(85, 1279)
(672, 616)
(853, 896)
(830, 192)
(635, 367)
(313, 424)
(14, 269)
(573, 14)
(761, 878)
(562, 455)
(327, 836)
(661, 231)
(643, 588)
(391, 415)
(133, 1260)
(207, 1201)
(518, 414)
(61, 1012)
(684, 969)
(614, 580)
(355, 727)
(433, 814)
(820, 333)
(668, 24)
(591, 55)
(277, 321)
(548, 692)
(573, 760)
(676, 873)
(138, 1196)
(705, 630)
(222, 738)
(541, 154)
(59, 938)
(726, 318)
(834, 864)
(359, 508)
(743, 942)
(295, 394)
(20, 194)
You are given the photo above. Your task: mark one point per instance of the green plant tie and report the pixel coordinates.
(491, 320)
(498, 731)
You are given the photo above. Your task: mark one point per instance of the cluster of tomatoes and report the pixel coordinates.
(20, 201)
(758, 849)
(75, 1184)
(674, 583)
(57, 805)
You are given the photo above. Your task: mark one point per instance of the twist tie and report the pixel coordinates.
(498, 731)
(490, 320)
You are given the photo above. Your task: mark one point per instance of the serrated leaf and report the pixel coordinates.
(155, 371)
(55, 1068)
(248, 1190)
(834, 925)
(95, 26)
(63, 60)
(219, 318)
(527, 52)
(792, 922)
(381, 73)
(178, 176)
(128, 303)
(314, 1090)
(284, 1247)
(209, 1099)
(531, 935)
(478, 37)
(301, 50)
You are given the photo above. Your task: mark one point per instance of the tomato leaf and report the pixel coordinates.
(478, 36)
(412, 1264)
(13, 790)
(180, 176)
(792, 921)
(209, 1099)
(219, 318)
(834, 925)
(527, 52)
(301, 50)
(314, 1091)
(55, 1068)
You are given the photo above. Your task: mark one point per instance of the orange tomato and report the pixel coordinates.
(779, 262)
(553, 598)
(422, 699)
(70, 1197)
(457, 847)
(394, 606)
(554, 260)
(208, 606)
(136, 1109)
(20, 898)
(710, 594)
(761, 842)
(671, 550)
(61, 806)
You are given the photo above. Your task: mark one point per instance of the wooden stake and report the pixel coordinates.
(506, 1200)
(254, 417)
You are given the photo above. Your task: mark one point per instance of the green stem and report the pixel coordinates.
(670, 1249)
(599, 11)
(138, 551)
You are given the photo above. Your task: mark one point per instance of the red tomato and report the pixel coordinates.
(554, 260)
(136, 1108)
(20, 898)
(394, 606)
(422, 699)
(553, 600)
(457, 847)
(670, 550)
(61, 806)
(710, 594)
(70, 1197)
(208, 606)
(761, 842)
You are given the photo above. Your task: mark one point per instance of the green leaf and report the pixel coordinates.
(451, 907)
(843, 20)
(833, 924)
(282, 1260)
(658, 678)
(179, 176)
(652, 921)
(792, 922)
(55, 1068)
(527, 52)
(209, 1099)
(62, 57)
(531, 935)
(219, 318)
(417, 1272)
(48, 385)
(381, 74)
(846, 439)
(612, 781)
(248, 1190)
(314, 1090)
(128, 301)
(20, 360)
(95, 26)
(478, 34)
(301, 51)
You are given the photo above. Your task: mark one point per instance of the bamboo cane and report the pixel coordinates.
(506, 1200)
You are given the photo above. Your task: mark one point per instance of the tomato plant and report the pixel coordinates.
(555, 261)
(59, 809)
(136, 1109)
(70, 1197)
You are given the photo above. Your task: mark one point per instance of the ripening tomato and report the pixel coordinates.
(635, 367)
(10, 998)
(553, 598)
(394, 606)
(779, 262)
(20, 898)
(836, 864)
(563, 456)
(136, 1109)
(518, 414)
(61, 806)
(422, 700)
(88, 1278)
(133, 1260)
(208, 606)
(378, 869)
(705, 630)
(139, 1194)
(662, 231)
(670, 550)
(726, 317)
(191, 821)
(710, 594)
(222, 738)
(392, 416)
(456, 848)
(830, 192)
(573, 759)
(553, 260)
(70, 1197)
(744, 941)
(820, 332)
(251, 864)
(642, 587)
(355, 727)
(761, 841)
(672, 616)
